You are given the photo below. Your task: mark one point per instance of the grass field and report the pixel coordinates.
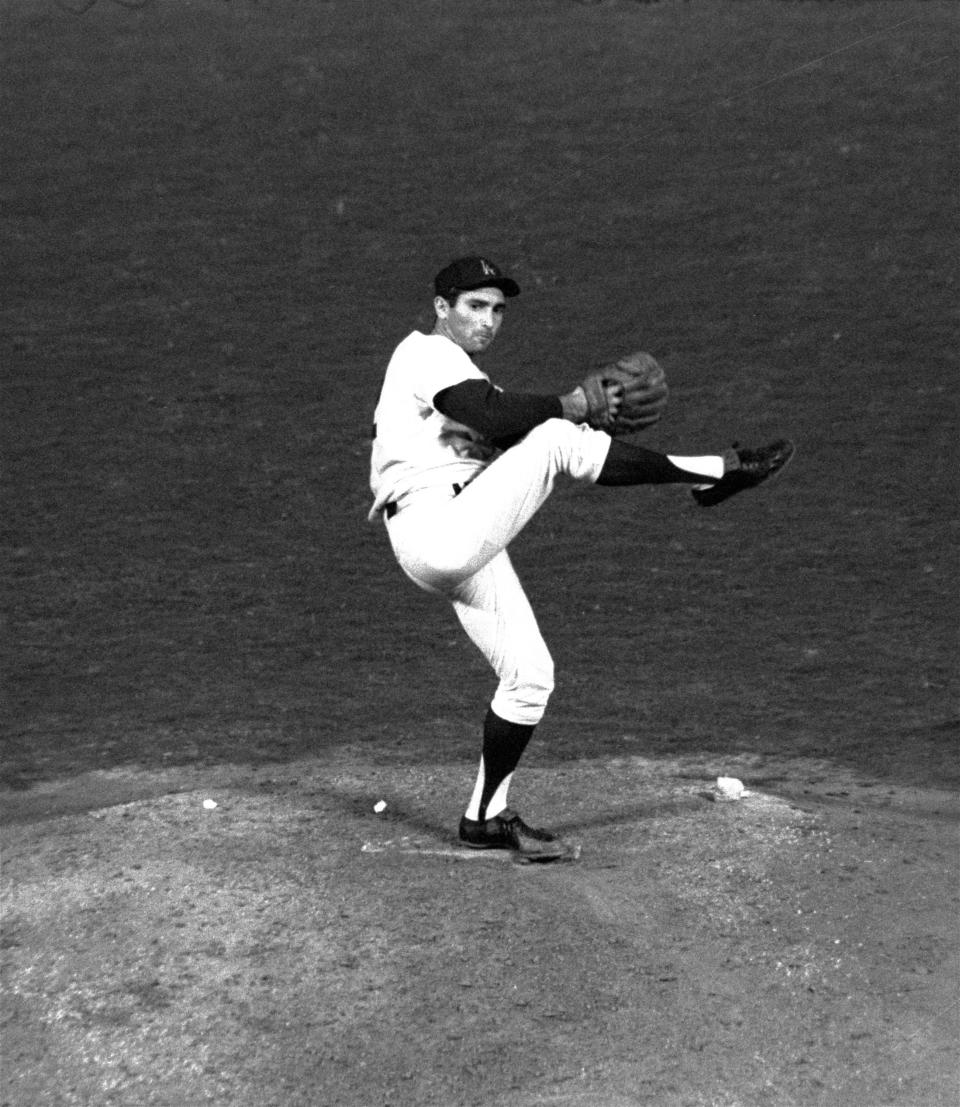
(219, 216)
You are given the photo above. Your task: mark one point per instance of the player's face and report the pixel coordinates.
(473, 321)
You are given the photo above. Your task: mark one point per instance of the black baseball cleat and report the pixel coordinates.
(508, 831)
(752, 467)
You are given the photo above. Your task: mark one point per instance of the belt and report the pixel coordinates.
(392, 508)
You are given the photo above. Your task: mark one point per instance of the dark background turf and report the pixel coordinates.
(219, 217)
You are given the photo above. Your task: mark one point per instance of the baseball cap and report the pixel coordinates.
(466, 274)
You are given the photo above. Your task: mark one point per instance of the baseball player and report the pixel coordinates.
(459, 467)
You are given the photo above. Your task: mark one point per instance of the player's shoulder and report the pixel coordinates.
(414, 338)
(414, 345)
(422, 340)
(430, 350)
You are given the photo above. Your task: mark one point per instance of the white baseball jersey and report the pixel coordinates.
(455, 545)
(416, 447)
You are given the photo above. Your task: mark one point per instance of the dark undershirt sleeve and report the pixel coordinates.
(501, 417)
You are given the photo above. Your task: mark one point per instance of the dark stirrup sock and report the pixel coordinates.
(503, 746)
(629, 464)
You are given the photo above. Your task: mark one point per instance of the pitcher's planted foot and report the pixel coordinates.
(508, 831)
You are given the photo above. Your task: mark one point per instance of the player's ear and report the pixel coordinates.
(440, 306)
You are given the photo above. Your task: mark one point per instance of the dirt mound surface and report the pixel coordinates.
(290, 946)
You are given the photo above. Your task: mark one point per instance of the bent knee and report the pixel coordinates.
(523, 696)
(554, 431)
(575, 448)
(538, 681)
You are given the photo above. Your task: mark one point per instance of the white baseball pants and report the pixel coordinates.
(456, 546)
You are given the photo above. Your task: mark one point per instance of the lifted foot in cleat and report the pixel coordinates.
(748, 469)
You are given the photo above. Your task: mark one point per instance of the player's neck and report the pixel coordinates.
(440, 329)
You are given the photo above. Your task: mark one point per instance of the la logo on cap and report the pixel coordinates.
(469, 273)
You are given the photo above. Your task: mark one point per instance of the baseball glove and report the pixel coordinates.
(602, 399)
(643, 389)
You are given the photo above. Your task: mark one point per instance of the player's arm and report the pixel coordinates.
(504, 417)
